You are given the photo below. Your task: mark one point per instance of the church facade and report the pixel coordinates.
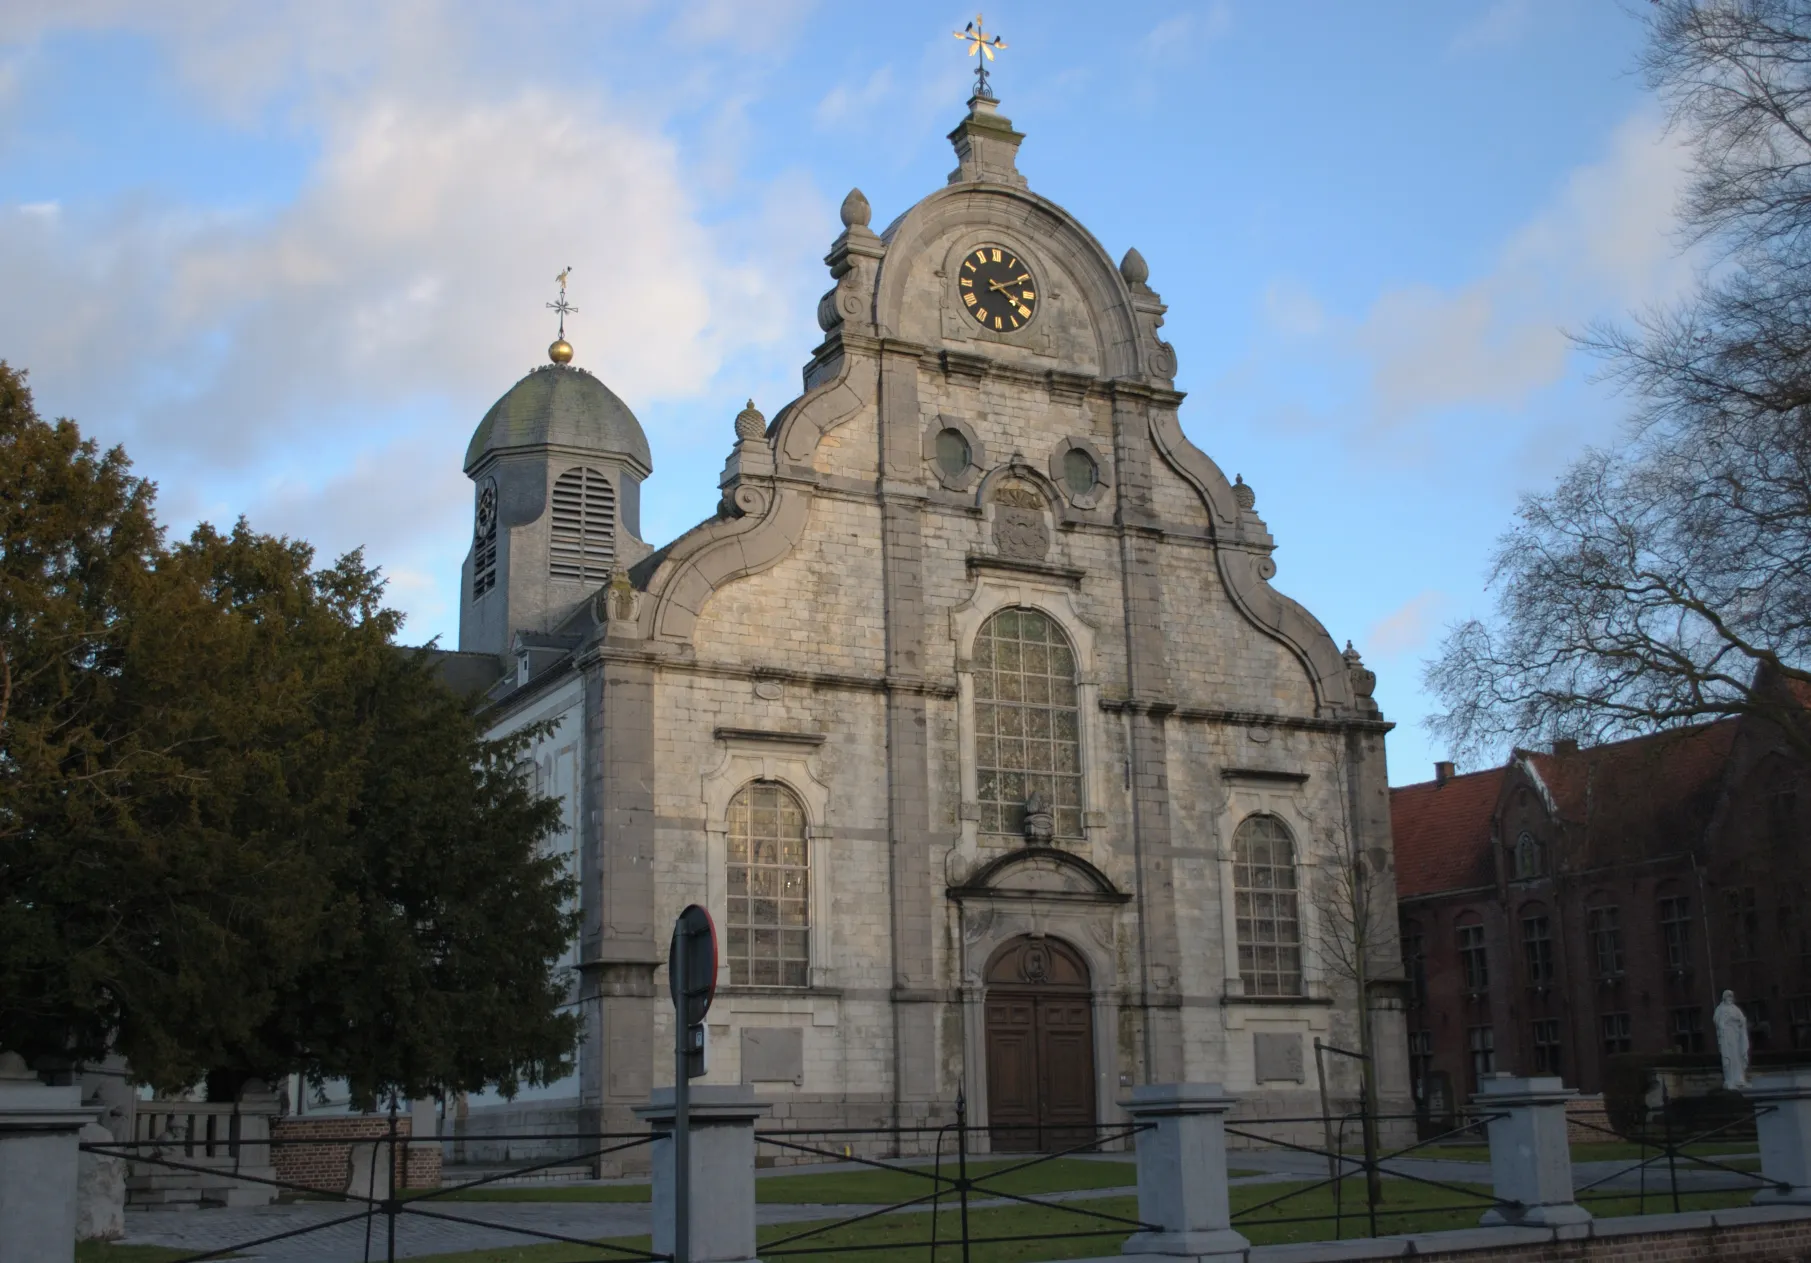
(971, 716)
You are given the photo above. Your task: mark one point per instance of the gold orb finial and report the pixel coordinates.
(560, 352)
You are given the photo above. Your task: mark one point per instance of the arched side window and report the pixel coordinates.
(1265, 903)
(1527, 855)
(583, 546)
(1027, 723)
(769, 924)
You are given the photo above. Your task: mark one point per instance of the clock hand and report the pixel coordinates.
(1005, 288)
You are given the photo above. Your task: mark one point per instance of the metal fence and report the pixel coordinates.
(382, 1203)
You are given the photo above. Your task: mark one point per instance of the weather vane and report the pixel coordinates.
(979, 41)
(561, 350)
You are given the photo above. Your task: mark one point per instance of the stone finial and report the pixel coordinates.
(856, 212)
(1134, 268)
(13, 1066)
(1364, 680)
(1242, 493)
(750, 424)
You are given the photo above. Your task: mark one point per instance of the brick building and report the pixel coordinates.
(1580, 903)
(971, 714)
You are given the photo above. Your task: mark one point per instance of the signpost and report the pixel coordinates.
(692, 979)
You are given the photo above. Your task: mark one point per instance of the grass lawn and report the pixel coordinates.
(871, 1186)
(1411, 1208)
(107, 1252)
(1589, 1151)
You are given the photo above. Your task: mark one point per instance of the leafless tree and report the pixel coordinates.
(1355, 910)
(1668, 581)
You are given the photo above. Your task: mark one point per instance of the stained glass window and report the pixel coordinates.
(1027, 726)
(769, 889)
(1264, 894)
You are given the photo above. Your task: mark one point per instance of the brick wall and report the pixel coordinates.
(314, 1152)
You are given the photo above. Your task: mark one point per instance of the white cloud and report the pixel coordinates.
(1604, 244)
(1291, 310)
(1406, 628)
(1182, 32)
(351, 336)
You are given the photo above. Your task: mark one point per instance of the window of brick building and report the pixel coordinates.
(1264, 896)
(1744, 923)
(1481, 1043)
(1414, 962)
(1603, 924)
(1618, 1034)
(1527, 856)
(1027, 723)
(1546, 1046)
(1473, 961)
(769, 889)
(1688, 1030)
(1421, 1063)
(1798, 1014)
(1537, 947)
(1676, 932)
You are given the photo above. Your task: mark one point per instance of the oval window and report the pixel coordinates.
(1080, 471)
(953, 456)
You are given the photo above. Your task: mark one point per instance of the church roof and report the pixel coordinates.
(557, 405)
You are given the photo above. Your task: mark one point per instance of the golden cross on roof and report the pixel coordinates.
(979, 41)
(561, 350)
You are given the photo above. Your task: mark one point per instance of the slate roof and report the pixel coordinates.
(1442, 832)
(560, 406)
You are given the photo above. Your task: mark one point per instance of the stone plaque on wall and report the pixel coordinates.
(776, 1054)
(1278, 1057)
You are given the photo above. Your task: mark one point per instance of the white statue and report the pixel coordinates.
(1732, 1041)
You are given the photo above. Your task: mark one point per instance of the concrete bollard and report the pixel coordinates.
(1782, 1123)
(1182, 1172)
(39, 1130)
(1530, 1155)
(723, 1172)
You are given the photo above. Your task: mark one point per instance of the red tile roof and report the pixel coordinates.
(1442, 832)
(1647, 796)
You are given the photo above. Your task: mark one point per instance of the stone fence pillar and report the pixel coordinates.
(40, 1128)
(1782, 1123)
(723, 1172)
(1182, 1172)
(1530, 1157)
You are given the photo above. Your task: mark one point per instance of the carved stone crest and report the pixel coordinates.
(1019, 530)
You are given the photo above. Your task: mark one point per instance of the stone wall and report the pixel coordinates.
(315, 1153)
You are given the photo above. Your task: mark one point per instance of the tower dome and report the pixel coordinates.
(558, 405)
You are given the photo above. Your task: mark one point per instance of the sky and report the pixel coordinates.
(289, 253)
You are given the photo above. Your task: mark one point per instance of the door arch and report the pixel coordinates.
(1040, 1046)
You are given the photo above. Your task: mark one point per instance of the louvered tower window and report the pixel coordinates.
(584, 527)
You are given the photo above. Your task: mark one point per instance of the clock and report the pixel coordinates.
(996, 289)
(487, 509)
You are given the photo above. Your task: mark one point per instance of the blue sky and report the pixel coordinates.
(289, 253)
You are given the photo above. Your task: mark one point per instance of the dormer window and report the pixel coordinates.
(583, 547)
(1527, 856)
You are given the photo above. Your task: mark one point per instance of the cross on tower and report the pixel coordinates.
(979, 41)
(561, 305)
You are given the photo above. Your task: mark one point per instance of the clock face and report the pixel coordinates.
(996, 289)
(487, 508)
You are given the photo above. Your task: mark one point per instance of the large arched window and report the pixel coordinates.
(1027, 726)
(769, 923)
(583, 547)
(1264, 895)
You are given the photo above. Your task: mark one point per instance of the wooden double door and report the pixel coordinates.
(1040, 1047)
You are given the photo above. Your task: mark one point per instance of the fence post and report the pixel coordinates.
(1530, 1153)
(40, 1128)
(1782, 1123)
(722, 1161)
(1182, 1172)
